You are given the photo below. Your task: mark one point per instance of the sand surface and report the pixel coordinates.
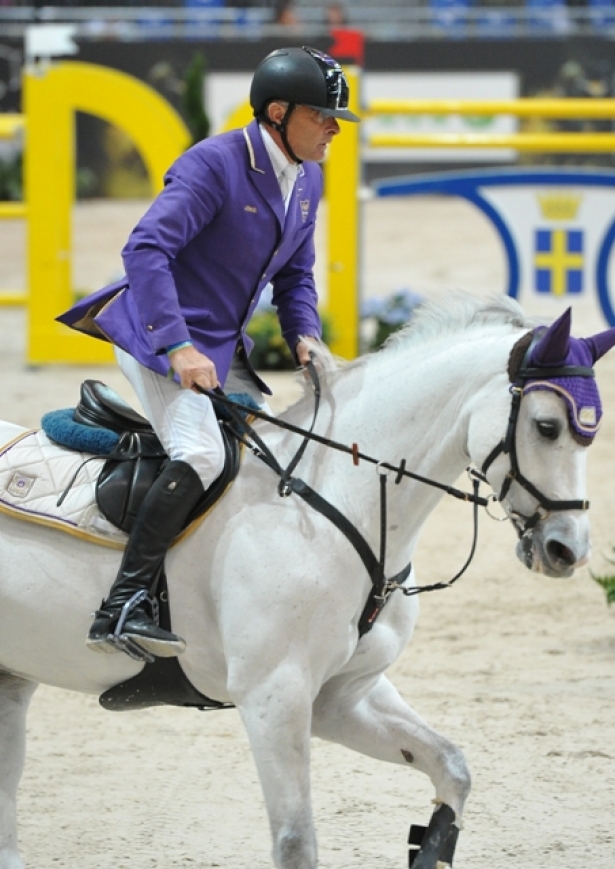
(517, 669)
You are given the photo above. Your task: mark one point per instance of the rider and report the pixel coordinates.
(237, 212)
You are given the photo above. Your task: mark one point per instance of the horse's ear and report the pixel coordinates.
(600, 344)
(552, 349)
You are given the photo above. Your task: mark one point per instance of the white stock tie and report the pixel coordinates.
(287, 182)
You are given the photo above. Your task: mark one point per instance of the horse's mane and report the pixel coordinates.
(454, 313)
(447, 314)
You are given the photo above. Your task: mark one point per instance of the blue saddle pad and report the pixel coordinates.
(60, 427)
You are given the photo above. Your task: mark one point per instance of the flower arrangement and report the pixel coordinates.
(382, 317)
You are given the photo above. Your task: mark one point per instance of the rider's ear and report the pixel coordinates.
(276, 112)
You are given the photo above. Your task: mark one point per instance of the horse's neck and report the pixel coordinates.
(418, 410)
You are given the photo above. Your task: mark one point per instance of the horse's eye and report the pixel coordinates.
(548, 430)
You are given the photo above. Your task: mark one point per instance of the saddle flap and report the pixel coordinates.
(99, 405)
(128, 474)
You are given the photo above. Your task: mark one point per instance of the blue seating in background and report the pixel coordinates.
(601, 13)
(495, 23)
(214, 23)
(450, 16)
(548, 15)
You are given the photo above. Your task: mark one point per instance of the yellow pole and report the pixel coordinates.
(13, 210)
(343, 182)
(49, 178)
(524, 107)
(52, 96)
(10, 125)
(550, 142)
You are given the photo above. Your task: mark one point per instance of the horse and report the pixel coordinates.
(271, 590)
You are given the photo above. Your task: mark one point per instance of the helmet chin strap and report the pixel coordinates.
(281, 128)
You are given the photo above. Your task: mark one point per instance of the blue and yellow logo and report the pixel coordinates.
(558, 261)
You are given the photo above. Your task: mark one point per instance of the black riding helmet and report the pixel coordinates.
(300, 76)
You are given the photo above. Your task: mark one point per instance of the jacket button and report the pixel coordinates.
(150, 328)
(264, 276)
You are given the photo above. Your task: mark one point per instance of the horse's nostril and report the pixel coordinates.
(559, 553)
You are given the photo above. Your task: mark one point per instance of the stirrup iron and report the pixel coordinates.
(126, 644)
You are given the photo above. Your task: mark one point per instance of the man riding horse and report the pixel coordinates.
(237, 213)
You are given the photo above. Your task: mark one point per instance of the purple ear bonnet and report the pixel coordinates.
(557, 349)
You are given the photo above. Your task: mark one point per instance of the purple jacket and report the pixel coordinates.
(199, 259)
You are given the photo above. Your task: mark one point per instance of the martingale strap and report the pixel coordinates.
(382, 588)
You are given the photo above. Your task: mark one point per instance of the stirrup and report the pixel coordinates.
(126, 644)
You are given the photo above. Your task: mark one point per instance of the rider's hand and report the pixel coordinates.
(303, 350)
(313, 349)
(193, 367)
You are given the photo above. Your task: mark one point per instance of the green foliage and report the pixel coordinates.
(192, 99)
(608, 584)
(271, 351)
(11, 181)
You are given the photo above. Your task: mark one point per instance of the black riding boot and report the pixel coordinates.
(161, 517)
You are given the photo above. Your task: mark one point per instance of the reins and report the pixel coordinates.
(266, 455)
(382, 587)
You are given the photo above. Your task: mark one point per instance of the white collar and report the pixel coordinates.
(278, 159)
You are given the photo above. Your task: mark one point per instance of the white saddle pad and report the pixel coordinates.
(34, 473)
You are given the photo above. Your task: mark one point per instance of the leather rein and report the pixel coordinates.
(383, 587)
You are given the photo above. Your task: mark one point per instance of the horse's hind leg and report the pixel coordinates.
(15, 695)
(382, 725)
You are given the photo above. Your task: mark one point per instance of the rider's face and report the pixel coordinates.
(309, 131)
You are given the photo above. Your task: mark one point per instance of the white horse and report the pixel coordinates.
(268, 592)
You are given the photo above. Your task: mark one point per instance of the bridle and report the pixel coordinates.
(383, 587)
(508, 445)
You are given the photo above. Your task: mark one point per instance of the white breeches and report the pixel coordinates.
(184, 421)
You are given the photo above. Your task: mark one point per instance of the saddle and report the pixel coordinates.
(137, 457)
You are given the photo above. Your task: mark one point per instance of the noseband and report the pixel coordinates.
(508, 445)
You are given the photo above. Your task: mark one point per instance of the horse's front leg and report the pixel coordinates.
(276, 713)
(383, 726)
(15, 695)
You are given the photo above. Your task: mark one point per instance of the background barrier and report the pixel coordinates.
(345, 210)
(52, 95)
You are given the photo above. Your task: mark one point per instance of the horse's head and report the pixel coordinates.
(538, 469)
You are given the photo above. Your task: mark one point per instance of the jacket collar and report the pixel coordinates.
(262, 172)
